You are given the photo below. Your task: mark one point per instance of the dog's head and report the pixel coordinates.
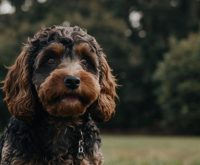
(65, 70)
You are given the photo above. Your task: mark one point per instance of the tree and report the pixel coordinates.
(179, 90)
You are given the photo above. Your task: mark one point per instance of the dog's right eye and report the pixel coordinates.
(49, 62)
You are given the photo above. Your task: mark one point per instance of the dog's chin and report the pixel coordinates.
(69, 105)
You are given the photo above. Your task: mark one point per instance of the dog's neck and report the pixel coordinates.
(61, 122)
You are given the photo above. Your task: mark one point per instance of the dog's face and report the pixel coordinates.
(67, 69)
(66, 78)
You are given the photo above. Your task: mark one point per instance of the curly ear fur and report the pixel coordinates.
(17, 88)
(105, 105)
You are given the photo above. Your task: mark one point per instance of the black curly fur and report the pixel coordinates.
(1, 145)
(61, 35)
(34, 141)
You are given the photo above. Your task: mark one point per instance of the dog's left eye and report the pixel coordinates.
(51, 61)
(84, 63)
(88, 64)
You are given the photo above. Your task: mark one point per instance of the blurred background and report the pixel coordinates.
(153, 47)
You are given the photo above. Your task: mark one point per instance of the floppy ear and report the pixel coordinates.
(17, 88)
(105, 105)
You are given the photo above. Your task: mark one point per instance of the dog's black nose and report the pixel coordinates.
(72, 82)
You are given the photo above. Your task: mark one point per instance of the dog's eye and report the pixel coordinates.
(88, 64)
(51, 61)
(84, 63)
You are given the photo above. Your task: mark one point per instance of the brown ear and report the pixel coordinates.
(17, 88)
(105, 105)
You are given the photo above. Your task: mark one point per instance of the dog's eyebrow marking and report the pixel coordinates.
(56, 49)
(84, 50)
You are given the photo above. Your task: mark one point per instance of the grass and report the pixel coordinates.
(141, 150)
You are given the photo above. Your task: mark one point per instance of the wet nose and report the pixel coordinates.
(72, 82)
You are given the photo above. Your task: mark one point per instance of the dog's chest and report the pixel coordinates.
(62, 143)
(71, 147)
(52, 145)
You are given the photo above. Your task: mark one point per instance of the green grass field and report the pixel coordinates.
(141, 150)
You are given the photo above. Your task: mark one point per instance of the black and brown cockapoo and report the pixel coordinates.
(59, 86)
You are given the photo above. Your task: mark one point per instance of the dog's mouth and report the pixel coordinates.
(71, 98)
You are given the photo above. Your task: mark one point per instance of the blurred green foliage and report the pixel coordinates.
(179, 92)
(135, 34)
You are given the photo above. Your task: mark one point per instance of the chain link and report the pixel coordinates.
(81, 154)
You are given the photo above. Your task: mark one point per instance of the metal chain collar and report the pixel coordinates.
(80, 154)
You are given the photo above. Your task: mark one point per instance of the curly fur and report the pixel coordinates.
(42, 133)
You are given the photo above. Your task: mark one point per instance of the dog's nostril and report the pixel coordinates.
(72, 82)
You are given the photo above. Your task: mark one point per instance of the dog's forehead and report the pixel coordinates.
(68, 36)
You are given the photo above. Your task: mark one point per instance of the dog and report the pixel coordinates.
(59, 87)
